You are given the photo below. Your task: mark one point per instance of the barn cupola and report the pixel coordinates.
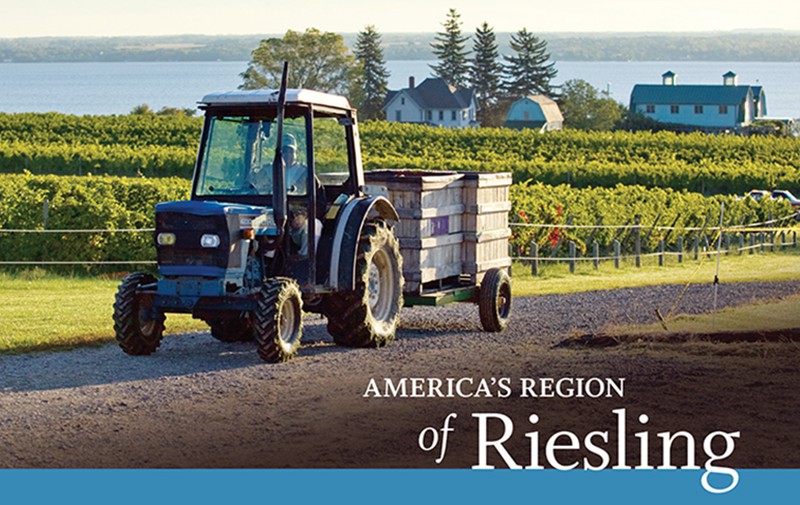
(729, 79)
(669, 78)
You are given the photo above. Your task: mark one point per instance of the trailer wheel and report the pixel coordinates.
(137, 325)
(368, 316)
(494, 301)
(235, 329)
(278, 320)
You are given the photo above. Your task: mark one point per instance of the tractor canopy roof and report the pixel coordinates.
(270, 96)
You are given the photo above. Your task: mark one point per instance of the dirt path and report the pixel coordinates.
(201, 403)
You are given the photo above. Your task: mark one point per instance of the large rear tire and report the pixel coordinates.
(494, 303)
(138, 327)
(369, 315)
(278, 320)
(236, 329)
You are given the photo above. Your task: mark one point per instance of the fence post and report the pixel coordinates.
(535, 261)
(761, 241)
(638, 239)
(571, 257)
(783, 239)
(696, 247)
(772, 241)
(680, 249)
(596, 254)
(616, 254)
(752, 242)
(45, 212)
(661, 253)
(727, 242)
(706, 246)
(741, 243)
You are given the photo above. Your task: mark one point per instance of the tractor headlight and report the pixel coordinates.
(209, 241)
(165, 239)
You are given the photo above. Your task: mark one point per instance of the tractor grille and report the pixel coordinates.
(188, 229)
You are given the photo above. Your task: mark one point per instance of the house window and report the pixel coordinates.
(428, 115)
(650, 109)
(453, 115)
(398, 115)
(402, 100)
(723, 109)
(441, 115)
(674, 109)
(698, 109)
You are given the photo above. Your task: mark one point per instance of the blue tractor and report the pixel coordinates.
(279, 222)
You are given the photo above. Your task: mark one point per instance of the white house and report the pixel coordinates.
(702, 107)
(433, 102)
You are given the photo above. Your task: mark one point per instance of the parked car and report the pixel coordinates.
(758, 194)
(778, 194)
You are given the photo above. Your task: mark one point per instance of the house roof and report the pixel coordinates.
(549, 107)
(435, 93)
(689, 94)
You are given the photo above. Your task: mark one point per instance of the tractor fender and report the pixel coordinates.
(348, 231)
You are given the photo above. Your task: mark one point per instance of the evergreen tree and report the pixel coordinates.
(374, 76)
(485, 73)
(449, 49)
(528, 71)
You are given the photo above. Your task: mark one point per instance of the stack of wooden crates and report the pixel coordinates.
(453, 225)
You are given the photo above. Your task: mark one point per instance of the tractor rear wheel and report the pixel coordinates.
(368, 316)
(278, 320)
(236, 329)
(137, 325)
(494, 300)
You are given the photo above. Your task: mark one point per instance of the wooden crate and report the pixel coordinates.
(431, 209)
(486, 231)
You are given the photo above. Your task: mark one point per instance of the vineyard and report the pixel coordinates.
(165, 146)
(66, 172)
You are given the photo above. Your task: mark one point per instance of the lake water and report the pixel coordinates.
(115, 88)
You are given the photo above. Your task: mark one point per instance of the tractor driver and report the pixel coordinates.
(296, 178)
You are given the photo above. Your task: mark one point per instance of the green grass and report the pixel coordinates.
(766, 316)
(44, 311)
(556, 278)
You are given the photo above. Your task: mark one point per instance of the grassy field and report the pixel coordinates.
(44, 311)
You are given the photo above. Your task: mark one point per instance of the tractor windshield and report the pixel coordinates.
(238, 156)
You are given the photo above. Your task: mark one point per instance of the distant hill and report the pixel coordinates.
(717, 46)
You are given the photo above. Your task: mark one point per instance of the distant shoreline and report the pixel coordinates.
(735, 46)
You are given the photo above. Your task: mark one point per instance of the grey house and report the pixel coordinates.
(702, 107)
(433, 102)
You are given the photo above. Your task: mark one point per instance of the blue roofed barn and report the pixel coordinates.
(700, 107)
(536, 112)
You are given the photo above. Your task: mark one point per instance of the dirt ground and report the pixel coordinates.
(201, 403)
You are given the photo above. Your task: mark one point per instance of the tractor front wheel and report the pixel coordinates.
(278, 320)
(138, 326)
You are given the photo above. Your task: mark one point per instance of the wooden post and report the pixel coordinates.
(706, 246)
(535, 260)
(637, 239)
(696, 247)
(45, 212)
(661, 253)
(752, 243)
(596, 254)
(727, 241)
(571, 257)
(616, 254)
(761, 241)
(741, 243)
(680, 249)
(783, 239)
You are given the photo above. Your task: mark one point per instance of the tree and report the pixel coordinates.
(585, 108)
(528, 71)
(317, 60)
(485, 73)
(373, 77)
(449, 49)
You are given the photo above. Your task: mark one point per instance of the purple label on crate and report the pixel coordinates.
(440, 226)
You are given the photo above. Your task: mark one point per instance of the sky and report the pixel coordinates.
(36, 18)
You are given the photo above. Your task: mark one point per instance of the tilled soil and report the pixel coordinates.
(201, 403)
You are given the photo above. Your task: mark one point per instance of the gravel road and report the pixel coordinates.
(201, 403)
